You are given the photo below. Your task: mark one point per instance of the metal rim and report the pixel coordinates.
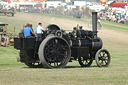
(54, 52)
(102, 58)
(85, 62)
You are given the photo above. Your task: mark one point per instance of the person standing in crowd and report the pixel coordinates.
(28, 31)
(39, 31)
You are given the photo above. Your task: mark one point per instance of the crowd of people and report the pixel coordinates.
(115, 16)
(111, 15)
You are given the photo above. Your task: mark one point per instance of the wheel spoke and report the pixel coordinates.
(86, 61)
(105, 62)
(100, 55)
(62, 54)
(54, 63)
(104, 53)
(57, 63)
(102, 63)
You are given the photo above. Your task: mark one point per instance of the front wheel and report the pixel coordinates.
(102, 58)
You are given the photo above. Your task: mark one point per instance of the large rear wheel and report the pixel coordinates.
(54, 52)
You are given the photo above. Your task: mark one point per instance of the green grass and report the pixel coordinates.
(16, 73)
(113, 25)
(13, 73)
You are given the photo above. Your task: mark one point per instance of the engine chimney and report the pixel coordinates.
(94, 23)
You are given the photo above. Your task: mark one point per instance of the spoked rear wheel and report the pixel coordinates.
(54, 52)
(102, 58)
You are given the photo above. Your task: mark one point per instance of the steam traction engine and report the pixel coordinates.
(58, 48)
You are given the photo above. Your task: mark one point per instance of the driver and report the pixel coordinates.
(39, 32)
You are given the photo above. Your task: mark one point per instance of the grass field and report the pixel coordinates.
(115, 39)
